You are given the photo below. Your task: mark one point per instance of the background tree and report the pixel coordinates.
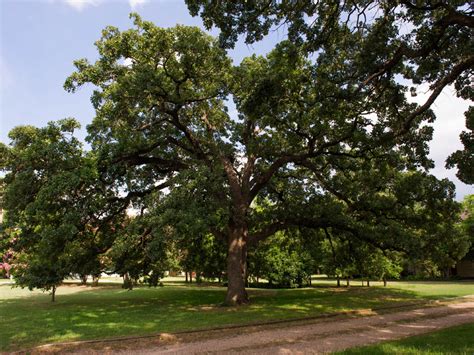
(51, 200)
(338, 256)
(282, 260)
(5, 255)
(466, 226)
(374, 264)
(40, 163)
(140, 251)
(467, 215)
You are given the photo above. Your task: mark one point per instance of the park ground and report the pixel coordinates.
(84, 313)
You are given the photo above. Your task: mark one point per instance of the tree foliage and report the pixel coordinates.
(39, 213)
(464, 159)
(52, 203)
(367, 44)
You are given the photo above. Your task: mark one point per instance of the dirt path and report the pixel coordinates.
(328, 335)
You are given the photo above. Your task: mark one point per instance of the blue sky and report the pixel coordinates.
(40, 39)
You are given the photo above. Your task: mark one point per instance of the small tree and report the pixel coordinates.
(48, 186)
(376, 265)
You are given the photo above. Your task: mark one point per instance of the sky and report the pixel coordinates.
(40, 39)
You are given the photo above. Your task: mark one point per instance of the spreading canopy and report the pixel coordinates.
(427, 45)
(305, 132)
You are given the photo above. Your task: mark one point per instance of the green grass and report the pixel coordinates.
(82, 313)
(455, 340)
(436, 289)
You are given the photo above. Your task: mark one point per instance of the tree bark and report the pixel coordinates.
(384, 282)
(186, 276)
(245, 273)
(236, 293)
(338, 281)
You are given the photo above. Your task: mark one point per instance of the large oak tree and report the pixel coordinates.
(163, 121)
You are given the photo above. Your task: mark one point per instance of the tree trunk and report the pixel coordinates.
(384, 282)
(127, 282)
(236, 293)
(53, 294)
(368, 283)
(186, 276)
(83, 279)
(338, 281)
(348, 283)
(245, 273)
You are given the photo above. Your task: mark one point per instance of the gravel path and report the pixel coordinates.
(330, 335)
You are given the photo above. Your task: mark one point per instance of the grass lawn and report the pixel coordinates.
(83, 312)
(455, 340)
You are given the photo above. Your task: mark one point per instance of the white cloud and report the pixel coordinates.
(134, 4)
(80, 5)
(450, 121)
